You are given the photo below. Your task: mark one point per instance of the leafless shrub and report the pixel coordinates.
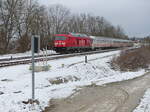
(23, 44)
(132, 60)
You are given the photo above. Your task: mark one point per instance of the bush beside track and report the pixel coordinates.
(132, 60)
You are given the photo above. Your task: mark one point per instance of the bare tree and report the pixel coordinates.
(24, 20)
(58, 16)
(7, 18)
(20, 19)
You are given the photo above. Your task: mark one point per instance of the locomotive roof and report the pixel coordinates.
(74, 35)
(78, 35)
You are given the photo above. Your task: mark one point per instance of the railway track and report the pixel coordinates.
(27, 60)
(24, 57)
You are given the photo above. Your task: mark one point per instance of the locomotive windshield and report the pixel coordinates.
(60, 38)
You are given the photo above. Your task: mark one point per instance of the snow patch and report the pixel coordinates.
(15, 81)
(144, 106)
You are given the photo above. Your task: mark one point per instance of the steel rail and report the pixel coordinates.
(52, 57)
(23, 57)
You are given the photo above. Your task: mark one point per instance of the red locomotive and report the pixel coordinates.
(72, 42)
(75, 42)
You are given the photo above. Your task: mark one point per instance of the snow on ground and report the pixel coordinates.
(63, 79)
(144, 106)
(28, 53)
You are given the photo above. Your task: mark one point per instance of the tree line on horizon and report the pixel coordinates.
(20, 19)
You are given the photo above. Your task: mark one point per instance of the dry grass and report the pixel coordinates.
(60, 80)
(6, 80)
(132, 60)
(30, 101)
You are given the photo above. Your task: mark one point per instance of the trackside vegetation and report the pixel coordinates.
(132, 60)
(19, 20)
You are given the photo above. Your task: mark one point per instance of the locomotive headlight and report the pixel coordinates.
(63, 43)
(56, 43)
(60, 43)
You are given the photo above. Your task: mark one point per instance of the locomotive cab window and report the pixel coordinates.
(60, 38)
(77, 41)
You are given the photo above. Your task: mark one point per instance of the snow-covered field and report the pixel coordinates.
(60, 81)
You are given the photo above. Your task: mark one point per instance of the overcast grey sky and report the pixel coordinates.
(132, 15)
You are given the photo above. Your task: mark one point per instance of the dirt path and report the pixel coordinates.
(115, 97)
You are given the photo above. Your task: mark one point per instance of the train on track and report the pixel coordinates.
(76, 42)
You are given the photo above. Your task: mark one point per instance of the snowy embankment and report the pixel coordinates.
(63, 79)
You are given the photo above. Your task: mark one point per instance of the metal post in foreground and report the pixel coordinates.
(33, 78)
(46, 55)
(85, 59)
